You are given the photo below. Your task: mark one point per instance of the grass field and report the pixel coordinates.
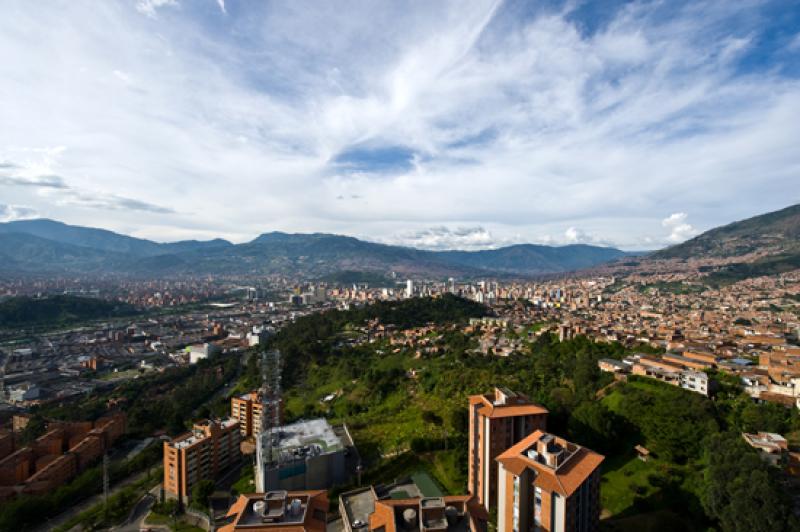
(625, 482)
(246, 482)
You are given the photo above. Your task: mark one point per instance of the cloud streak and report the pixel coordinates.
(9, 213)
(516, 122)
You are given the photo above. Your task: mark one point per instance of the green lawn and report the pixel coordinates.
(246, 482)
(622, 485)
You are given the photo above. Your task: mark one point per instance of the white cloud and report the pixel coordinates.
(679, 229)
(221, 4)
(442, 237)
(520, 123)
(151, 7)
(9, 213)
(794, 44)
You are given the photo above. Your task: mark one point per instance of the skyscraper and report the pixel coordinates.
(496, 422)
(547, 483)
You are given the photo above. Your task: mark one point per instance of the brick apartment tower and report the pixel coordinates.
(496, 422)
(202, 454)
(547, 483)
(248, 409)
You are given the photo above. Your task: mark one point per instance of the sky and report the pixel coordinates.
(439, 125)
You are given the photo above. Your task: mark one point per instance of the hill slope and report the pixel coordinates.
(534, 259)
(774, 232)
(45, 246)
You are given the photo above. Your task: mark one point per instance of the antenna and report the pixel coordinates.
(270, 409)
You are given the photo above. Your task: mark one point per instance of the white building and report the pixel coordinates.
(200, 352)
(409, 288)
(696, 381)
(23, 392)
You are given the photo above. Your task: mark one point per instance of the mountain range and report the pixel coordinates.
(771, 233)
(764, 244)
(767, 244)
(48, 247)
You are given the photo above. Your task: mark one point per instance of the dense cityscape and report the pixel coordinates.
(267, 402)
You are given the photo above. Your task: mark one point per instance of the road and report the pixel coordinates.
(134, 521)
(63, 517)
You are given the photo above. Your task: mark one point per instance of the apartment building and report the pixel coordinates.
(547, 483)
(66, 449)
(695, 381)
(496, 422)
(248, 409)
(278, 511)
(207, 451)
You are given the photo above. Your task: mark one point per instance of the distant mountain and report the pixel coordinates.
(773, 233)
(98, 239)
(767, 244)
(534, 259)
(102, 239)
(46, 246)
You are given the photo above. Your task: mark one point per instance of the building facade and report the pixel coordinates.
(248, 409)
(54, 458)
(547, 483)
(496, 422)
(208, 450)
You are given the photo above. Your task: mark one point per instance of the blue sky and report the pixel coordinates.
(433, 124)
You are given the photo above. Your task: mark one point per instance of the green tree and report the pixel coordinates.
(201, 493)
(768, 417)
(459, 420)
(741, 491)
(595, 426)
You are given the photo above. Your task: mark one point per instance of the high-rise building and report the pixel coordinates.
(205, 453)
(496, 422)
(547, 483)
(409, 288)
(248, 409)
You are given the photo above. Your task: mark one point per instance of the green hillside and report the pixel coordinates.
(776, 232)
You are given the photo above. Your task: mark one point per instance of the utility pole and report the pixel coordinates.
(105, 484)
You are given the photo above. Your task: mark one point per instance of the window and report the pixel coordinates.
(515, 506)
(537, 507)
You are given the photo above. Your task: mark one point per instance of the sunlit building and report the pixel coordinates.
(496, 422)
(547, 483)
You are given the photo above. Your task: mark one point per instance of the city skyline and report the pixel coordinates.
(465, 126)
